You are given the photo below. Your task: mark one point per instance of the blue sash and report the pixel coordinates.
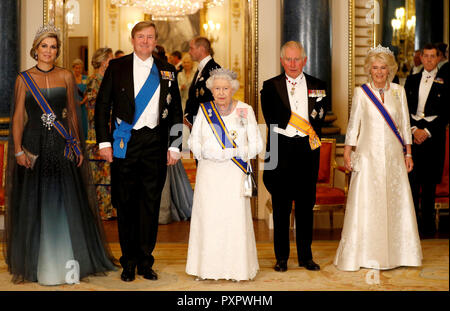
(384, 113)
(49, 116)
(122, 133)
(224, 139)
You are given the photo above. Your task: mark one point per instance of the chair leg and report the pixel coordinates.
(436, 220)
(331, 220)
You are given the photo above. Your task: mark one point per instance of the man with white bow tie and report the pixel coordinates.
(427, 94)
(137, 104)
(294, 105)
(201, 51)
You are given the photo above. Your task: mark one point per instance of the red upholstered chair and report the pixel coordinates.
(3, 160)
(442, 191)
(328, 197)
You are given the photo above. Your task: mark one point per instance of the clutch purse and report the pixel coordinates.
(355, 159)
(250, 188)
(31, 156)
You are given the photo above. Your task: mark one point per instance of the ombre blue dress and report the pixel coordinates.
(54, 234)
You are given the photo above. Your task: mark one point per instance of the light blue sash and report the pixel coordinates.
(49, 117)
(122, 133)
(384, 113)
(224, 139)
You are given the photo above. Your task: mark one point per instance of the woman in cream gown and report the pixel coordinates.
(380, 228)
(221, 240)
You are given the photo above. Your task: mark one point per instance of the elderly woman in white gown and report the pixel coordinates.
(221, 241)
(380, 228)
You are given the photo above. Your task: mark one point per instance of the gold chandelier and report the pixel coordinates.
(168, 10)
(403, 36)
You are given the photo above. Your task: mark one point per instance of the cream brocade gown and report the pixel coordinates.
(221, 239)
(380, 227)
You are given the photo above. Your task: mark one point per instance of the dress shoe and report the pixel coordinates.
(309, 264)
(128, 274)
(280, 266)
(148, 273)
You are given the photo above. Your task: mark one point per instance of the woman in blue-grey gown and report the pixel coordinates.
(53, 233)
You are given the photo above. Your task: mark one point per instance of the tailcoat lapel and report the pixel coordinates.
(282, 90)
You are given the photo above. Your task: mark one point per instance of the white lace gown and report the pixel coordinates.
(380, 227)
(221, 240)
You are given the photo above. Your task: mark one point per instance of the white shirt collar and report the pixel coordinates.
(203, 62)
(147, 63)
(431, 73)
(298, 79)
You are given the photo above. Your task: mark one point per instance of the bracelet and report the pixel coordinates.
(18, 154)
(408, 155)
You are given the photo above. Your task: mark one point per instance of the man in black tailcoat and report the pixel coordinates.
(291, 170)
(427, 95)
(142, 93)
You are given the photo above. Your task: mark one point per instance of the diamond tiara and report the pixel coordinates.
(380, 49)
(47, 29)
(224, 71)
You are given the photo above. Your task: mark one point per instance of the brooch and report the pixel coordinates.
(48, 119)
(165, 113)
(233, 134)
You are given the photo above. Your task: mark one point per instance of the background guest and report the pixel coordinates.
(201, 51)
(118, 53)
(100, 168)
(80, 78)
(175, 59)
(427, 95)
(184, 81)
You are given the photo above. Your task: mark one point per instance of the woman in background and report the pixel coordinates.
(80, 79)
(100, 168)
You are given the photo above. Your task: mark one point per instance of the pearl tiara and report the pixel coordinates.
(380, 49)
(223, 71)
(47, 29)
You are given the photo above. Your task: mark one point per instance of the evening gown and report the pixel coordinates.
(380, 227)
(221, 239)
(52, 219)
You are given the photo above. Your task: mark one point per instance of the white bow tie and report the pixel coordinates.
(426, 74)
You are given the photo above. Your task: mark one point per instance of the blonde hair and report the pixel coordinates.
(37, 41)
(141, 25)
(293, 44)
(385, 58)
(100, 56)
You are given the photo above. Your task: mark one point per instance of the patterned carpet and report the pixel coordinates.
(171, 260)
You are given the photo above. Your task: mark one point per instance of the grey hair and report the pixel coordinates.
(222, 73)
(77, 61)
(293, 44)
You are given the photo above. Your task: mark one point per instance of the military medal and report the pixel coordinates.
(121, 144)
